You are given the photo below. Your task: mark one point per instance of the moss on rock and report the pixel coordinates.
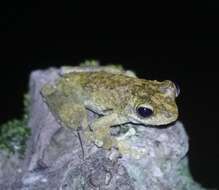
(14, 133)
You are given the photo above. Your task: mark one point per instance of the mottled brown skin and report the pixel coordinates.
(113, 96)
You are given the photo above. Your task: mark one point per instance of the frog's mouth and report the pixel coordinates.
(153, 121)
(118, 130)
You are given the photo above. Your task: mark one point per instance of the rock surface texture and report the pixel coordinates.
(156, 158)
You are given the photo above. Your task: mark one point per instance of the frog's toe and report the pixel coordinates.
(99, 143)
(107, 143)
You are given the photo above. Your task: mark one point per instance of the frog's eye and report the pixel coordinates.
(144, 111)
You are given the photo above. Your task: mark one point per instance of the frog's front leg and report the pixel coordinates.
(101, 130)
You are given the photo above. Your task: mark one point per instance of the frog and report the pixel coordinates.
(116, 96)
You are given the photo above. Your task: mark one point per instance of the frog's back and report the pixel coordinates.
(99, 80)
(102, 88)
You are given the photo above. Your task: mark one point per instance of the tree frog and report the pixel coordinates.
(117, 96)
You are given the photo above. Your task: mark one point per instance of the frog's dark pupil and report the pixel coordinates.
(144, 112)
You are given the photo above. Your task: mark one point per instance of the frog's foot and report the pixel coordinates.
(106, 143)
(103, 137)
(102, 131)
(101, 140)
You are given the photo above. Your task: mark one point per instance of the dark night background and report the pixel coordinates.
(160, 46)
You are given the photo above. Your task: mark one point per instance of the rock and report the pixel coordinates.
(153, 158)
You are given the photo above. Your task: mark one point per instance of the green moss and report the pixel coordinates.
(96, 63)
(14, 133)
(90, 63)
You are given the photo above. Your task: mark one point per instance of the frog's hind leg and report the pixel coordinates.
(75, 118)
(67, 110)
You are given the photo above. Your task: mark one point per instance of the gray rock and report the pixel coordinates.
(54, 157)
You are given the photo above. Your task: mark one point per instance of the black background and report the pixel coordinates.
(181, 45)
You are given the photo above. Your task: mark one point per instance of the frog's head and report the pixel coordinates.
(155, 105)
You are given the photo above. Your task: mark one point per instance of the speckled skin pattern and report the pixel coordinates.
(114, 96)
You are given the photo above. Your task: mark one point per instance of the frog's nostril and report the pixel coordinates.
(167, 114)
